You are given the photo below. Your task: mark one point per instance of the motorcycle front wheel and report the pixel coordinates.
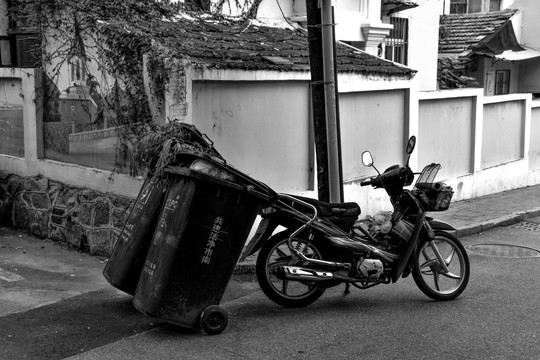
(288, 293)
(438, 281)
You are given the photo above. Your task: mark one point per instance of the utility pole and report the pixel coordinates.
(317, 96)
(324, 98)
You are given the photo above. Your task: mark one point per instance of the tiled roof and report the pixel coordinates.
(398, 2)
(390, 6)
(459, 32)
(224, 43)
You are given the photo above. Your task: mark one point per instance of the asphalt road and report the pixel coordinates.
(497, 317)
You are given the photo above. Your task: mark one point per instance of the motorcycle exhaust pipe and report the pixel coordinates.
(304, 274)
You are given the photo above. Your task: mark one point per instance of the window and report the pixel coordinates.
(77, 74)
(473, 6)
(502, 82)
(397, 43)
(28, 47)
(458, 7)
(22, 47)
(7, 52)
(494, 5)
(22, 51)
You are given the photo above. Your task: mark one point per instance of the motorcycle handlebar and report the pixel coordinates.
(405, 175)
(366, 182)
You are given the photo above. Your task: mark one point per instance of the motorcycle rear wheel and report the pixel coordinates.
(428, 272)
(284, 292)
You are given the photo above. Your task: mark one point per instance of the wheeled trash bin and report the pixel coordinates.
(203, 225)
(129, 253)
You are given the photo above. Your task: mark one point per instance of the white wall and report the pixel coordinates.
(500, 139)
(349, 14)
(261, 128)
(534, 145)
(529, 75)
(424, 41)
(365, 117)
(11, 90)
(498, 146)
(271, 9)
(530, 26)
(455, 131)
(446, 134)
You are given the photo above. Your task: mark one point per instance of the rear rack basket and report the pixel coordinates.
(434, 196)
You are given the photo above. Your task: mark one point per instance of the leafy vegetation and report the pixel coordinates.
(105, 42)
(450, 73)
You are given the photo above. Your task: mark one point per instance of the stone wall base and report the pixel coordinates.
(85, 219)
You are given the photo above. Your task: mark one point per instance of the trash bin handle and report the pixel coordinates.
(207, 139)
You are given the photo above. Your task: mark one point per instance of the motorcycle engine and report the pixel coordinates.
(371, 268)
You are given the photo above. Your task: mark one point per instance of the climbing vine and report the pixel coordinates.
(103, 44)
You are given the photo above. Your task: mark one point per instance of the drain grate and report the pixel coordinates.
(526, 225)
(501, 250)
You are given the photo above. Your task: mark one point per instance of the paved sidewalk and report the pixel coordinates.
(476, 215)
(482, 213)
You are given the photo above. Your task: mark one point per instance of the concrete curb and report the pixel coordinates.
(511, 219)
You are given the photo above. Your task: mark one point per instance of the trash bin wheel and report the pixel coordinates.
(214, 320)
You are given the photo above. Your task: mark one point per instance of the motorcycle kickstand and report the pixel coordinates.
(347, 291)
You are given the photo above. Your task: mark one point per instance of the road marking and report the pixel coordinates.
(9, 276)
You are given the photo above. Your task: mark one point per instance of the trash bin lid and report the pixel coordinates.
(218, 172)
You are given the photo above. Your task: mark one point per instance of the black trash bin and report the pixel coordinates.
(129, 253)
(201, 231)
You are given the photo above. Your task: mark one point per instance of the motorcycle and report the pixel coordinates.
(320, 245)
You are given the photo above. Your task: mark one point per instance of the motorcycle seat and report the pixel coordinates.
(325, 209)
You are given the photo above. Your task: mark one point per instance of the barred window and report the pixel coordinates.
(397, 43)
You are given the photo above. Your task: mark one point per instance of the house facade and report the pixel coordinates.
(495, 44)
(402, 31)
(529, 77)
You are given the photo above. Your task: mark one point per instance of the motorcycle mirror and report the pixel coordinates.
(411, 144)
(367, 159)
(410, 147)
